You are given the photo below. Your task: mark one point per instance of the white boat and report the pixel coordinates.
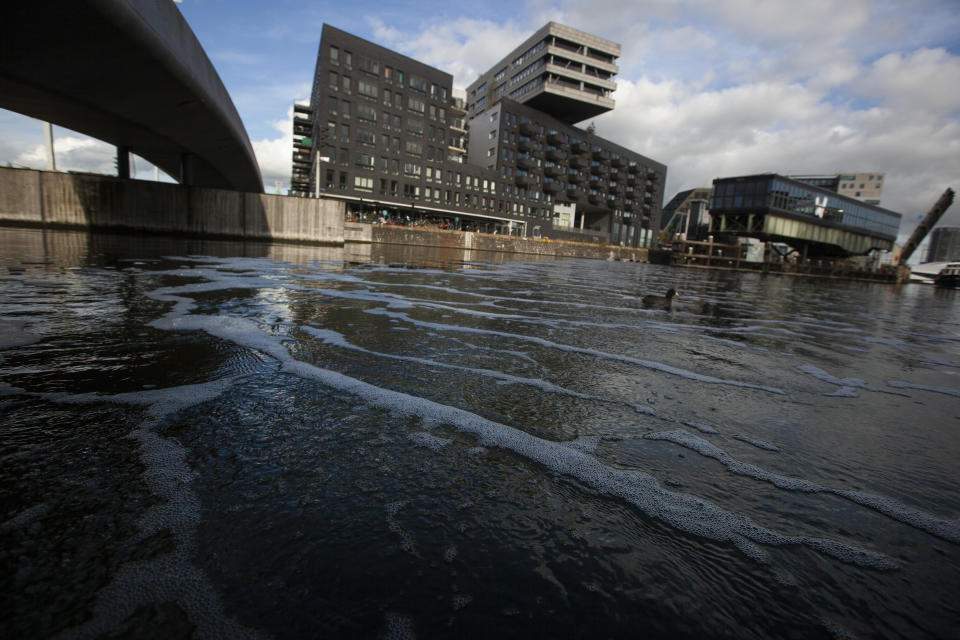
(927, 272)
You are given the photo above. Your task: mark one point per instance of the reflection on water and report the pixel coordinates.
(239, 439)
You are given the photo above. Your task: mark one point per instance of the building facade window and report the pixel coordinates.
(367, 89)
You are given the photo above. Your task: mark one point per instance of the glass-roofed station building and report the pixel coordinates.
(817, 222)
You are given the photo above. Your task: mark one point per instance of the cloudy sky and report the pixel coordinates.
(711, 88)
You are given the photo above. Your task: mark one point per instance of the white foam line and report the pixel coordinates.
(943, 528)
(337, 339)
(429, 441)
(170, 577)
(685, 512)
(647, 364)
(922, 387)
(702, 428)
(845, 384)
(760, 444)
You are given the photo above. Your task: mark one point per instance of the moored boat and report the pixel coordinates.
(948, 277)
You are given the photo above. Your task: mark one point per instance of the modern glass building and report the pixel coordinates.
(816, 220)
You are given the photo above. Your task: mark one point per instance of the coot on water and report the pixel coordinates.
(662, 302)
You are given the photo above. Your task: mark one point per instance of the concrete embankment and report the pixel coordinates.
(51, 199)
(469, 242)
(83, 201)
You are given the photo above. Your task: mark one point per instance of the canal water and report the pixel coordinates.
(212, 439)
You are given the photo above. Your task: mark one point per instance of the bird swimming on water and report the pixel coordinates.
(663, 301)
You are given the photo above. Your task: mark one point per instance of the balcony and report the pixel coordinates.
(579, 162)
(576, 177)
(595, 197)
(555, 137)
(599, 153)
(524, 161)
(572, 192)
(578, 146)
(616, 160)
(525, 143)
(522, 178)
(553, 169)
(598, 168)
(552, 185)
(633, 167)
(527, 128)
(555, 153)
(458, 106)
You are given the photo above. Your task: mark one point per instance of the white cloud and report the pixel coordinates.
(463, 47)
(73, 152)
(925, 80)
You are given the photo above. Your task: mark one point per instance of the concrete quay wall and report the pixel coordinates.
(471, 241)
(68, 200)
(52, 199)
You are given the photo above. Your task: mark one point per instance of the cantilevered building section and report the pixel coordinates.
(817, 221)
(560, 71)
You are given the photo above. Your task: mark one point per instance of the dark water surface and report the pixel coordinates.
(242, 440)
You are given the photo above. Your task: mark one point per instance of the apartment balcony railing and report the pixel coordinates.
(556, 137)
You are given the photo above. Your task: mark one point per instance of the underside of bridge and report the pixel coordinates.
(130, 73)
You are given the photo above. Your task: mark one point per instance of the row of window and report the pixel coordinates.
(340, 180)
(391, 76)
(765, 192)
(366, 161)
(369, 91)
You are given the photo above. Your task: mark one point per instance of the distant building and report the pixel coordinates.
(387, 135)
(687, 213)
(816, 221)
(862, 186)
(944, 245)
